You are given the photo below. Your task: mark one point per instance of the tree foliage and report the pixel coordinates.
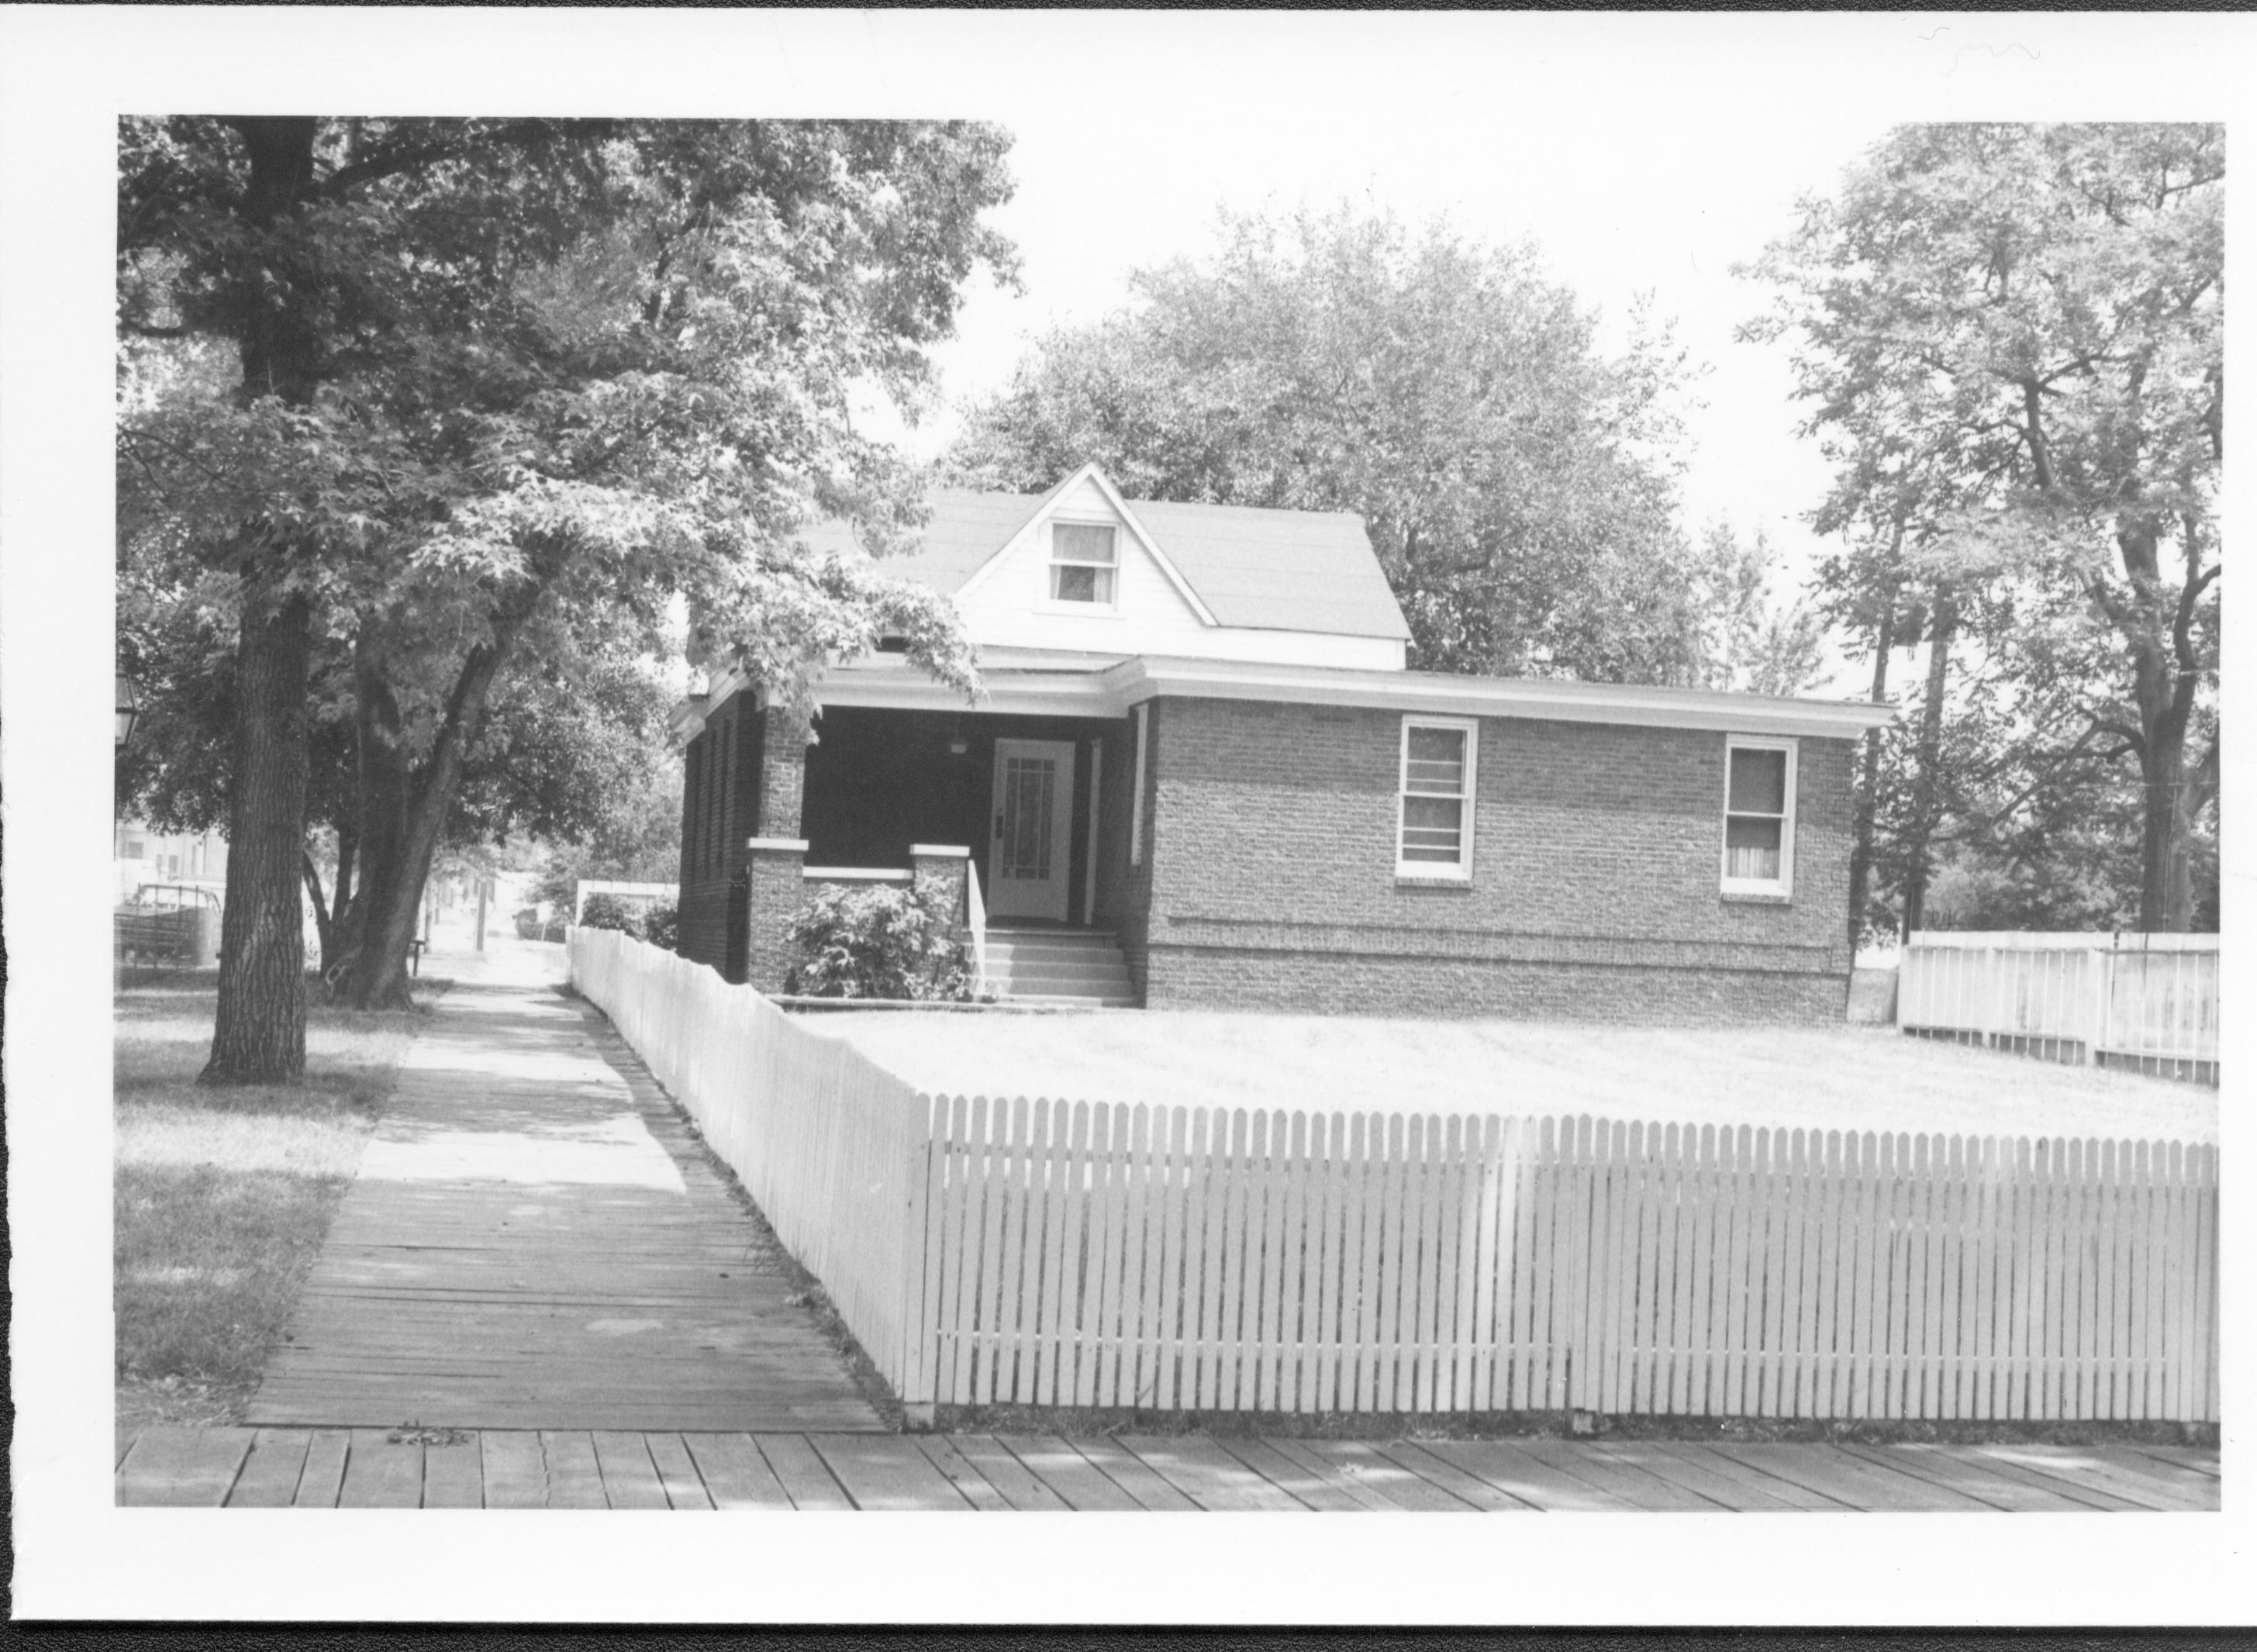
(503, 390)
(1516, 480)
(2010, 340)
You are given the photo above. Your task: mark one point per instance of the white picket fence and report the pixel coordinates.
(1121, 1256)
(1089, 1255)
(2149, 1001)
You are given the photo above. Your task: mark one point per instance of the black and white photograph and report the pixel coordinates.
(1124, 764)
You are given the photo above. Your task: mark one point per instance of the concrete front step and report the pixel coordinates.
(1048, 949)
(1016, 990)
(1059, 966)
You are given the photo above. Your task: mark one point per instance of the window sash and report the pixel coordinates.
(1075, 544)
(1434, 787)
(1081, 582)
(1758, 836)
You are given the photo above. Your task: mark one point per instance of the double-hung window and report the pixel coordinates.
(1758, 816)
(1434, 829)
(1085, 561)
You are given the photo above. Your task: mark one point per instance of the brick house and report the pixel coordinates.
(1201, 776)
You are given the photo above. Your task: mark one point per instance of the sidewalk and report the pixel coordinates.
(533, 1240)
(244, 1468)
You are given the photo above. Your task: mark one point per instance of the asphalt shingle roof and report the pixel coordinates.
(1266, 570)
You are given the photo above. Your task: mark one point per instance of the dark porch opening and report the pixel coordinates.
(879, 781)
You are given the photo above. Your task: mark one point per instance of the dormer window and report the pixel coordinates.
(1084, 561)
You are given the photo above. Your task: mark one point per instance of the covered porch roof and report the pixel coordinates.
(1026, 682)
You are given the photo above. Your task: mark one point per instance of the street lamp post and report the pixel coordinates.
(129, 708)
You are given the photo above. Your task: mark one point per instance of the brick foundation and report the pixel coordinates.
(1378, 983)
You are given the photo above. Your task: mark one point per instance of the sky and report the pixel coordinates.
(1640, 208)
(1552, 136)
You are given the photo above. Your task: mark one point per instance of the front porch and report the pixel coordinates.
(1023, 795)
(1016, 820)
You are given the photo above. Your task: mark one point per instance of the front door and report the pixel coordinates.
(1034, 823)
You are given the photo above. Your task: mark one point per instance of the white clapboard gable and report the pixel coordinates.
(1008, 602)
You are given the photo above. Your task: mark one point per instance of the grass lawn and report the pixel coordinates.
(1832, 1077)
(223, 1195)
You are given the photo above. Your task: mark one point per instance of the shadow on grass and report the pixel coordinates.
(222, 1195)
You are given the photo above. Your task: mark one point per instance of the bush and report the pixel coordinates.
(661, 925)
(608, 912)
(878, 941)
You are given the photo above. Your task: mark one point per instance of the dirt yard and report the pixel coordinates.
(1840, 1078)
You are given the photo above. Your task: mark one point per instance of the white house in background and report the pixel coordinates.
(142, 855)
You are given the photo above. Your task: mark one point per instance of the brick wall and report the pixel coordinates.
(722, 776)
(1594, 890)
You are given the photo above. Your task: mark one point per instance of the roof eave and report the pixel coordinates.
(1112, 691)
(1148, 677)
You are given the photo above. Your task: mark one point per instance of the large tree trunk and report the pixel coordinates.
(1944, 622)
(324, 927)
(384, 780)
(379, 973)
(329, 907)
(2164, 676)
(2167, 827)
(260, 1034)
(1869, 785)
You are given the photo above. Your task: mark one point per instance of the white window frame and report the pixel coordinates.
(1052, 563)
(1136, 789)
(1781, 887)
(1462, 870)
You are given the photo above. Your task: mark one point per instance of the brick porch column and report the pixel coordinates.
(783, 774)
(775, 854)
(776, 892)
(938, 874)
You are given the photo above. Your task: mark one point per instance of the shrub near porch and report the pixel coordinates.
(223, 1196)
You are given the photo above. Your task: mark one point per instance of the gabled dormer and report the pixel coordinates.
(1083, 558)
(1083, 569)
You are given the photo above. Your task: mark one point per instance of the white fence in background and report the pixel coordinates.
(646, 892)
(831, 1145)
(1061, 1253)
(2149, 1001)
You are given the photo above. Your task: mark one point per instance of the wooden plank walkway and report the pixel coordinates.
(534, 1241)
(552, 1468)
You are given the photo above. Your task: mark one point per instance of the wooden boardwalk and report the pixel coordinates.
(534, 1241)
(570, 1468)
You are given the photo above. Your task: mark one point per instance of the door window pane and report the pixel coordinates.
(1027, 788)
